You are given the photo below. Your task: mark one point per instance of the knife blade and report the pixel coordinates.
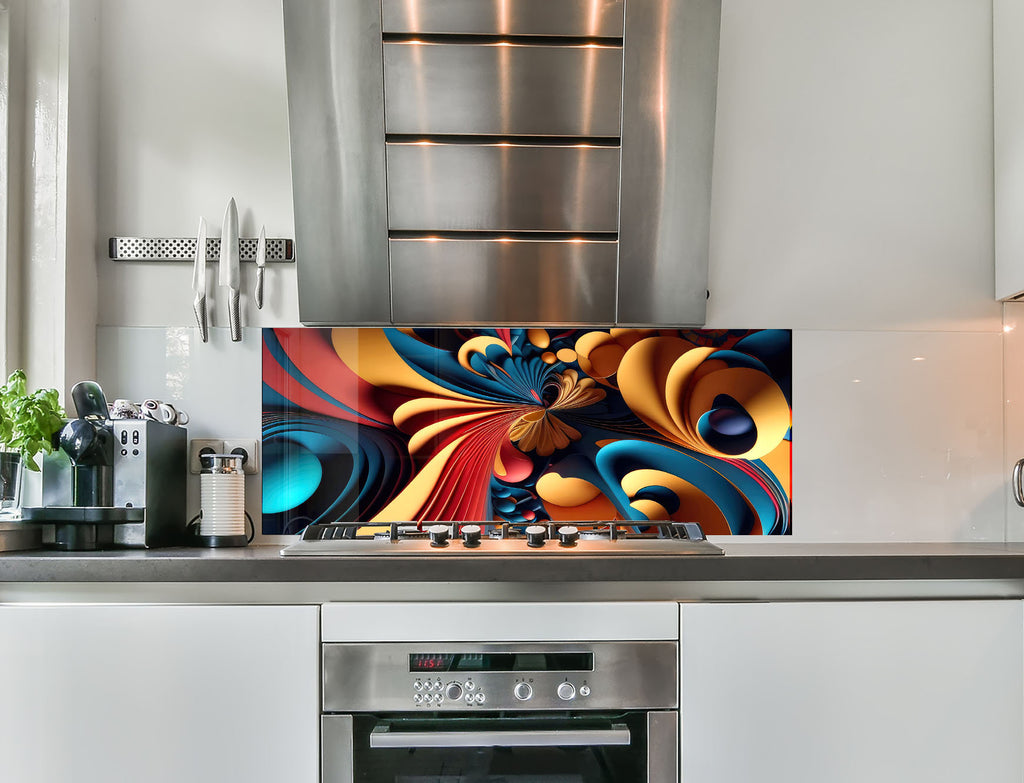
(229, 274)
(261, 262)
(199, 282)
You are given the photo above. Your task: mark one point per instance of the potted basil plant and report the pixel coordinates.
(28, 422)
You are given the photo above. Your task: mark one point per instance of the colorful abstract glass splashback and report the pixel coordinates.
(520, 425)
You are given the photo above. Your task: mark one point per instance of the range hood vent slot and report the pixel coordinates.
(501, 40)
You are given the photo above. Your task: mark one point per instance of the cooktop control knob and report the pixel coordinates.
(522, 691)
(438, 535)
(471, 535)
(568, 535)
(535, 535)
(453, 691)
(566, 691)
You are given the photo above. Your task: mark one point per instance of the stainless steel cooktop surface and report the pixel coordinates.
(469, 539)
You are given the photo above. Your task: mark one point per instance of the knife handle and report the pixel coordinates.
(199, 306)
(258, 293)
(234, 317)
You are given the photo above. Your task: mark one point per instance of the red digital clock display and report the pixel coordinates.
(431, 662)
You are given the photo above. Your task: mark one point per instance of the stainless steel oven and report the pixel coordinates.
(518, 712)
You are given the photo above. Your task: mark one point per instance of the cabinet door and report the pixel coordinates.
(1008, 171)
(852, 692)
(159, 694)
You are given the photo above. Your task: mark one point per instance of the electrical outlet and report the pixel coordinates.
(199, 446)
(248, 448)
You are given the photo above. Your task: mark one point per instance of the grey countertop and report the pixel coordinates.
(749, 570)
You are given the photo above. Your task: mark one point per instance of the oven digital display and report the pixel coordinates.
(502, 662)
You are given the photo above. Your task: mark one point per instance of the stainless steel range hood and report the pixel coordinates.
(502, 161)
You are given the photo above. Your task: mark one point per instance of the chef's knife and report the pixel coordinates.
(199, 281)
(261, 261)
(229, 275)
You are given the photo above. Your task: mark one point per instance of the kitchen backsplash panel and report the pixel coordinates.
(520, 425)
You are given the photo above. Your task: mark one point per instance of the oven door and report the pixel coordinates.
(630, 747)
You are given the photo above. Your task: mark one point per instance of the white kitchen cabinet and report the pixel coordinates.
(159, 694)
(1008, 135)
(848, 692)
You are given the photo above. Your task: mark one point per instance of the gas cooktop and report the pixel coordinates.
(455, 539)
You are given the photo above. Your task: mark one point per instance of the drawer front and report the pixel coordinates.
(493, 281)
(502, 187)
(596, 18)
(502, 89)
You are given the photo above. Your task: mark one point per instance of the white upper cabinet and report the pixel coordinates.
(1008, 115)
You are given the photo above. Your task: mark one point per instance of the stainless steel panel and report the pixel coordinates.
(336, 749)
(493, 281)
(376, 677)
(150, 472)
(670, 78)
(598, 18)
(502, 187)
(662, 747)
(502, 89)
(336, 121)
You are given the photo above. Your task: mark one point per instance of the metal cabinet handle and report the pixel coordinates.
(1018, 489)
(383, 737)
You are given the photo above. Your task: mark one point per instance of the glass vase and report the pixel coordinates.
(11, 469)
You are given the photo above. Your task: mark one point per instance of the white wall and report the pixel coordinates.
(852, 203)
(194, 112)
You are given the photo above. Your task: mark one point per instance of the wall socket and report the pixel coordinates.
(198, 446)
(249, 447)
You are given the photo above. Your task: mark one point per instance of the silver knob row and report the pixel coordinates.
(536, 535)
(522, 691)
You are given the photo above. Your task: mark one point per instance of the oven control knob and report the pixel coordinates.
(584, 690)
(471, 535)
(568, 535)
(453, 691)
(438, 535)
(522, 691)
(535, 535)
(566, 691)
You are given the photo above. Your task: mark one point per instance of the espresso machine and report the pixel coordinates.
(113, 482)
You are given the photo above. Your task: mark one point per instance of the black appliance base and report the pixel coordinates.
(218, 541)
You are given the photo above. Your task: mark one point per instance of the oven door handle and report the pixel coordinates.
(382, 737)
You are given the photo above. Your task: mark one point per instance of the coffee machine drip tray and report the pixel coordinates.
(89, 515)
(83, 527)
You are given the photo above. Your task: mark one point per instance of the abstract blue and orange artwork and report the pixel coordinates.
(526, 425)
